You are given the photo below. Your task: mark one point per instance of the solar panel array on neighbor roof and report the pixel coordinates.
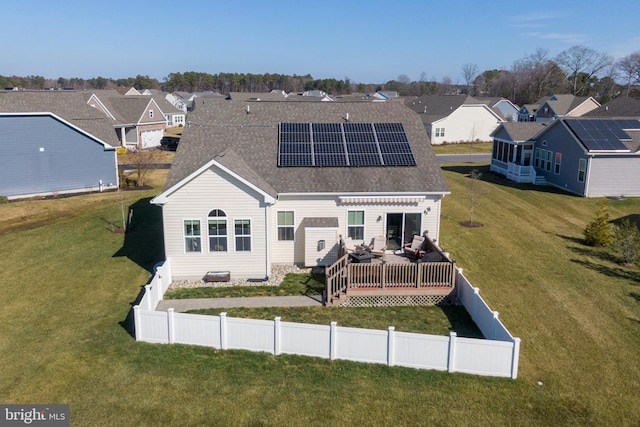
(343, 145)
(603, 135)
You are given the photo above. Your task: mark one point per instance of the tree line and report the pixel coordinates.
(579, 70)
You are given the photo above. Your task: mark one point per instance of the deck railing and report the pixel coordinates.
(343, 276)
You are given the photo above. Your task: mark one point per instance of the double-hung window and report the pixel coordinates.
(549, 159)
(355, 225)
(558, 163)
(582, 169)
(192, 238)
(285, 225)
(217, 222)
(242, 232)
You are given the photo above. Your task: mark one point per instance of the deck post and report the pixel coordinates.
(384, 275)
(418, 275)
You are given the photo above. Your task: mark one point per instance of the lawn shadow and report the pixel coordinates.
(495, 178)
(596, 253)
(461, 322)
(128, 324)
(143, 243)
(615, 272)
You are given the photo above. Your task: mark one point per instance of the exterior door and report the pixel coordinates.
(401, 227)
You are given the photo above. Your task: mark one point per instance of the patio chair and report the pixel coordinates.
(378, 246)
(349, 246)
(415, 249)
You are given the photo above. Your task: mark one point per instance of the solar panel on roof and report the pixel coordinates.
(343, 144)
(599, 134)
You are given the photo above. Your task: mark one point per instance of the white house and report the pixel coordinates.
(455, 118)
(260, 183)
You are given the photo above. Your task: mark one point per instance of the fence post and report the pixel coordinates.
(494, 325)
(332, 340)
(276, 336)
(476, 295)
(170, 325)
(223, 330)
(136, 322)
(391, 346)
(515, 358)
(147, 292)
(452, 352)
(383, 277)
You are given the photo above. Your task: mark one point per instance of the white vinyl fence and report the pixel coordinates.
(495, 356)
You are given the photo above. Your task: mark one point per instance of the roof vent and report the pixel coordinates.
(347, 117)
(425, 109)
(606, 108)
(248, 110)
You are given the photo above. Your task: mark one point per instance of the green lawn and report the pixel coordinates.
(465, 148)
(68, 283)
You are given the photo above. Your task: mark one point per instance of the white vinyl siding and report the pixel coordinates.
(238, 202)
(613, 176)
(192, 235)
(286, 252)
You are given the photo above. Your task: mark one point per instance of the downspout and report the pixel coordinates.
(267, 240)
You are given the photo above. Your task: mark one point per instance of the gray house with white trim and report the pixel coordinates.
(53, 143)
(589, 157)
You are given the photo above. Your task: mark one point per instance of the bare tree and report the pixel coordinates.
(469, 73)
(629, 66)
(581, 63)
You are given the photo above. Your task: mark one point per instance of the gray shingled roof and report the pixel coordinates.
(521, 131)
(68, 105)
(254, 96)
(248, 145)
(618, 108)
(437, 106)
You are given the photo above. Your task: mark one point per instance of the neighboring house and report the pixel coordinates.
(455, 118)
(589, 157)
(201, 97)
(527, 112)
(174, 116)
(252, 188)
(53, 143)
(257, 96)
(564, 106)
(177, 100)
(125, 91)
(139, 121)
(502, 107)
(619, 108)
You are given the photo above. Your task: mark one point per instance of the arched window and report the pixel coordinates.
(217, 226)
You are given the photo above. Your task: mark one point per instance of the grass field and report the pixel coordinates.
(471, 148)
(68, 283)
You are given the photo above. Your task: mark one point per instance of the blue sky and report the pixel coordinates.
(369, 41)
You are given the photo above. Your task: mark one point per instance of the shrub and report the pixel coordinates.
(598, 232)
(121, 150)
(3, 199)
(626, 240)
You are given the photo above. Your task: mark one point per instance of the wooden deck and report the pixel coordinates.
(393, 277)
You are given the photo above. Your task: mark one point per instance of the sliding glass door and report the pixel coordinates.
(401, 227)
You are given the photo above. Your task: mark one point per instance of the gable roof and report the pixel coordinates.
(618, 107)
(70, 106)
(563, 104)
(520, 131)
(435, 107)
(247, 144)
